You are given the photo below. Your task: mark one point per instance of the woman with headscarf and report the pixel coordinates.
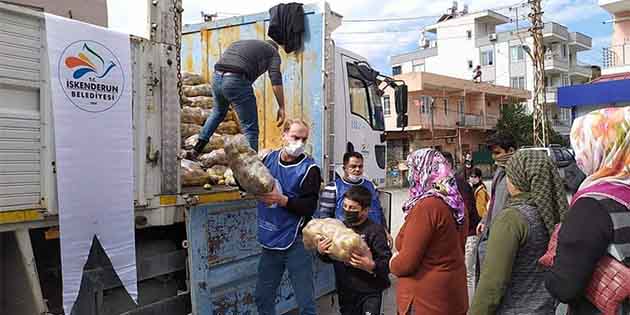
(599, 218)
(430, 258)
(511, 281)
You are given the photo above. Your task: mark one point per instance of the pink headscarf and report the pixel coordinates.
(601, 140)
(431, 175)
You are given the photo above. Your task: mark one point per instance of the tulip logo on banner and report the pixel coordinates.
(90, 76)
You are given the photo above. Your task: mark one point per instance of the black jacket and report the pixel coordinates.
(287, 25)
(356, 280)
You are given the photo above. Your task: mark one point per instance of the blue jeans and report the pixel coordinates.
(299, 264)
(239, 92)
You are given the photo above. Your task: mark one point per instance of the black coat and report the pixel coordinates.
(287, 25)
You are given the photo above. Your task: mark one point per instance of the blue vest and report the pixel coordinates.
(375, 213)
(278, 227)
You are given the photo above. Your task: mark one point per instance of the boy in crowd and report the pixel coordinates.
(361, 281)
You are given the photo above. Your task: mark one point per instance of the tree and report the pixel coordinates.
(517, 122)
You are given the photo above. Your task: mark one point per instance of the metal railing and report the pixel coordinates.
(554, 60)
(556, 29)
(579, 38)
(551, 94)
(615, 56)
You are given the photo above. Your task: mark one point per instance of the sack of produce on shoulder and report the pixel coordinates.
(215, 143)
(344, 240)
(248, 169)
(228, 128)
(188, 130)
(191, 78)
(197, 90)
(193, 174)
(194, 115)
(204, 102)
(216, 157)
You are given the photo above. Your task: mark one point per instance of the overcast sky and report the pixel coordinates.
(384, 38)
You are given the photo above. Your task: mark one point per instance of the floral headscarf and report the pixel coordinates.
(431, 175)
(601, 140)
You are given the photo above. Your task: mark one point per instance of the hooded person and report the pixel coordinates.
(598, 222)
(511, 281)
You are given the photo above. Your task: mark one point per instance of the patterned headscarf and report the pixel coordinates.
(534, 173)
(431, 175)
(601, 140)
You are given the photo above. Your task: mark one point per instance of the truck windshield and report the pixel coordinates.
(364, 101)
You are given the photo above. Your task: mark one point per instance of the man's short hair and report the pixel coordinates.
(502, 140)
(348, 155)
(291, 122)
(359, 194)
(272, 43)
(477, 172)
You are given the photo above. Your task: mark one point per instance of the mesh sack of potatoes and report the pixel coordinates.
(344, 240)
(216, 157)
(190, 78)
(194, 115)
(248, 169)
(205, 102)
(229, 128)
(193, 174)
(197, 90)
(188, 130)
(229, 177)
(215, 143)
(217, 174)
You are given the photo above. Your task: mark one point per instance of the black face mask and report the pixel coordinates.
(352, 217)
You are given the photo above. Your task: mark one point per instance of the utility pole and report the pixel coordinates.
(541, 137)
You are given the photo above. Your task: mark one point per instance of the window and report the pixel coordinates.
(487, 58)
(565, 114)
(425, 103)
(396, 70)
(563, 50)
(386, 106)
(405, 150)
(364, 99)
(469, 34)
(359, 98)
(418, 68)
(517, 82)
(517, 53)
(446, 106)
(565, 80)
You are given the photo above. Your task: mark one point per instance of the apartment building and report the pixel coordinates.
(450, 114)
(460, 41)
(612, 89)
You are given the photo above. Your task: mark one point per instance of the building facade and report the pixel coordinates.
(461, 41)
(90, 11)
(450, 114)
(612, 89)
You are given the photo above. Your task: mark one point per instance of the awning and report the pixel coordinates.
(606, 92)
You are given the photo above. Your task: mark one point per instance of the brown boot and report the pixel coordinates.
(196, 151)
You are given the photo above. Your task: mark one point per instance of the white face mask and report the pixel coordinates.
(354, 178)
(294, 148)
(473, 180)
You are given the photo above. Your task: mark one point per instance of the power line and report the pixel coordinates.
(392, 19)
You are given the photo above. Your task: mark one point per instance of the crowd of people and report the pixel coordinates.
(461, 249)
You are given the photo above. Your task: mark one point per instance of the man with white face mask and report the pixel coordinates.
(331, 201)
(282, 214)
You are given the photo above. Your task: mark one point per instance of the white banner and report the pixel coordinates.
(90, 80)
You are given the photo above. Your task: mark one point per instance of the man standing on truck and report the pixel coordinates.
(235, 72)
(331, 201)
(281, 215)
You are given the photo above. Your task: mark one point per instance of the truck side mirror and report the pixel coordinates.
(400, 93)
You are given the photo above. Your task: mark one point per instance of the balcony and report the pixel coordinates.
(583, 70)
(551, 94)
(414, 55)
(554, 31)
(615, 6)
(580, 41)
(556, 63)
(616, 56)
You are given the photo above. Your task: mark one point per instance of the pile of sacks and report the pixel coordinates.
(344, 240)
(197, 103)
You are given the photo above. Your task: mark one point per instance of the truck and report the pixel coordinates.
(196, 249)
